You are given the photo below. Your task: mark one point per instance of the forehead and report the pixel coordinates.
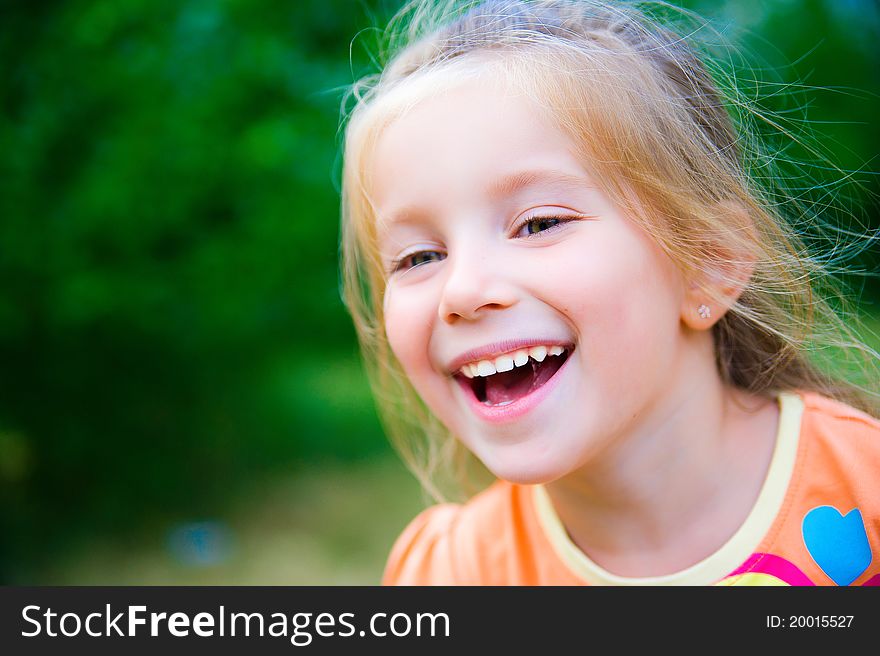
(477, 140)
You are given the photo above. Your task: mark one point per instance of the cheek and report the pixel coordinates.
(622, 299)
(408, 328)
(409, 321)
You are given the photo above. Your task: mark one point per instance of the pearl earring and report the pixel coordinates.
(704, 311)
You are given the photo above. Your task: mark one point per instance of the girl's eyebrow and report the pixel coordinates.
(512, 183)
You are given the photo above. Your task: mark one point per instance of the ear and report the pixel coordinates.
(725, 274)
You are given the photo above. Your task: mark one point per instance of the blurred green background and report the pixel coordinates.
(181, 399)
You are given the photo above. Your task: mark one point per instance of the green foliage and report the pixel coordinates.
(170, 319)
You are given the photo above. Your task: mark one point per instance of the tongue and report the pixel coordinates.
(507, 387)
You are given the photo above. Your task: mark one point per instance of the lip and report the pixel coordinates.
(492, 351)
(506, 413)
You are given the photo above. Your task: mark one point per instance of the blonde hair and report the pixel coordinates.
(669, 139)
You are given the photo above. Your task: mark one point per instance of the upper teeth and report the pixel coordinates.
(508, 361)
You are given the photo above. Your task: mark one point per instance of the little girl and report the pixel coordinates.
(563, 252)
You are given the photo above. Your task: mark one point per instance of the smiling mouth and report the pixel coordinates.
(504, 388)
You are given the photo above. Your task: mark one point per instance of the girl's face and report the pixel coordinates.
(534, 318)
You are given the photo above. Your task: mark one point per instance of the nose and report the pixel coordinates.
(474, 285)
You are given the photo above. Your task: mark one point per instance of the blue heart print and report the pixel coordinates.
(838, 543)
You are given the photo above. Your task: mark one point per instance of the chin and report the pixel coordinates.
(527, 472)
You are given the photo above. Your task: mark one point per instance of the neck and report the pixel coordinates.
(676, 486)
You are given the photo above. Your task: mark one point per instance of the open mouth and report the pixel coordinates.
(505, 387)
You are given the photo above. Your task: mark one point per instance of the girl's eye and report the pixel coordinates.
(417, 259)
(539, 224)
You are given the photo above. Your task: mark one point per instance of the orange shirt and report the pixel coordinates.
(816, 521)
